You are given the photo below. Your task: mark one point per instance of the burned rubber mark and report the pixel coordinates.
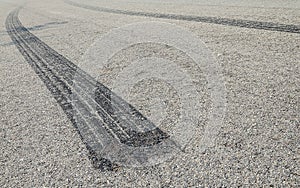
(214, 20)
(101, 119)
(45, 26)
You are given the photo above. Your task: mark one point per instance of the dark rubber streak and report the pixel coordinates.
(221, 21)
(58, 74)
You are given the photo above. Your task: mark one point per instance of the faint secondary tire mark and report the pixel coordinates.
(98, 125)
(221, 21)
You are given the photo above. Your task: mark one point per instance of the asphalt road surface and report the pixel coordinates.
(68, 118)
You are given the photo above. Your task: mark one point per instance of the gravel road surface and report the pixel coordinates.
(43, 44)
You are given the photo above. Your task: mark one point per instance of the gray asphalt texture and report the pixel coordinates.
(257, 145)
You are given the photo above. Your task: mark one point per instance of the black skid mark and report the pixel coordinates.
(205, 19)
(58, 74)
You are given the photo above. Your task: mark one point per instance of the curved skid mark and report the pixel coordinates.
(97, 122)
(214, 20)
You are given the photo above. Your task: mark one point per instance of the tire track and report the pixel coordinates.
(100, 117)
(214, 20)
